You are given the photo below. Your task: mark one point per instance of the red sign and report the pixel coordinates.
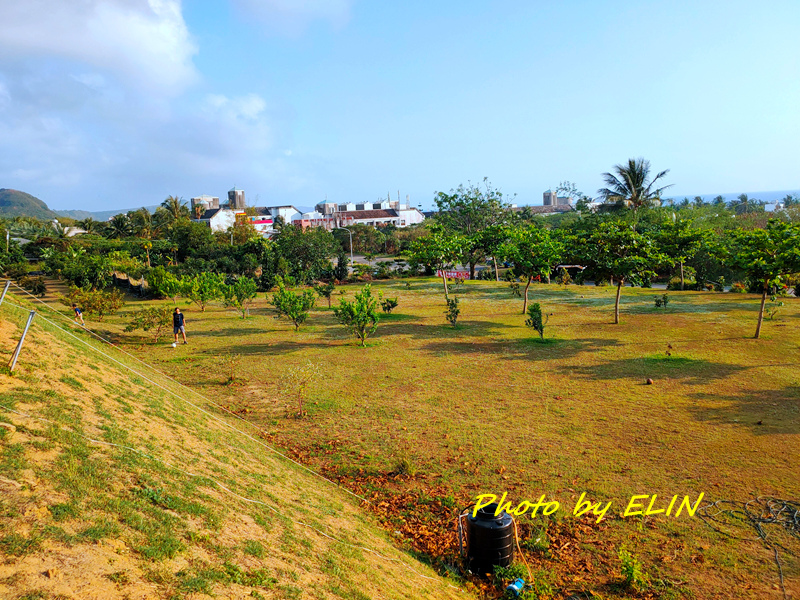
(453, 274)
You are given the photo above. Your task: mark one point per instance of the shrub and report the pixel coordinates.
(738, 287)
(674, 284)
(163, 284)
(203, 288)
(389, 305)
(324, 290)
(535, 320)
(383, 269)
(17, 270)
(632, 573)
(34, 284)
(661, 301)
(240, 294)
(772, 308)
(360, 316)
(294, 307)
(452, 311)
(158, 318)
(564, 277)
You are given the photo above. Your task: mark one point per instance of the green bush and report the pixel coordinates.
(389, 305)
(452, 311)
(34, 284)
(535, 319)
(294, 307)
(360, 316)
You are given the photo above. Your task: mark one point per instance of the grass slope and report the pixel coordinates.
(112, 487)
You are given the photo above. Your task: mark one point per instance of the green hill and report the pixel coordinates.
(14, 203)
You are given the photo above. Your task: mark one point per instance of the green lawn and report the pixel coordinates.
(428, 416)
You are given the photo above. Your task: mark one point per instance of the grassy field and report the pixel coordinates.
(428, 416)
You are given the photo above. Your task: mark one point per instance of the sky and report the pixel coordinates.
(110, 104)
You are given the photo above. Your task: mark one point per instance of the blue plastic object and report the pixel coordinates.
(516, 586)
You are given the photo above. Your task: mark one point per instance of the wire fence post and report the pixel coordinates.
(5, 289)
(21, 341)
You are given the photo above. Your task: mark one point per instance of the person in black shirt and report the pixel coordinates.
(178, 325)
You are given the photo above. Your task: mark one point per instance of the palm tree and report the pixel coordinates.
(176, 207)
(632, 185)
(142, 223)
(89, 225)
(119, 226)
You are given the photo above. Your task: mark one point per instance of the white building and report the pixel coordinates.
(218, 219)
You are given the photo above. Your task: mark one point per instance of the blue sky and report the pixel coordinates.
(119, 103)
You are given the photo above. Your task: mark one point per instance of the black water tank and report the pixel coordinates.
(490, 540)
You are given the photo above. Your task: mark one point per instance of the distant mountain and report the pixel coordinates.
(102, 215)
(14, 203)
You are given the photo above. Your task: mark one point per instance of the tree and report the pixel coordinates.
(535, 253)
(95, 301)
(324, 290)
(119, 226)
(294, 307)
(158, 318)
(632, 185)
(340, 272)
(615, 251)
(466, 212)
(203, 288)
(308, 251)
(491, 240)
(680, 241)
(439, 251)
(89, 225)
(175, 208)
(360, 316)
(240, 294)
(766, 255)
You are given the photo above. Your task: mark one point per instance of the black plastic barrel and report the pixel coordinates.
(490, 540)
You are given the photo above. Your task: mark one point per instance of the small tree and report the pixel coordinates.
(340, 272)
(240, 295)
(439, 251)
(534, 252)
(389, 305)
(95, 302)
(157, 318)
(203, 288)
(535, 320)
(452, 311)
(615, 251)
(766, 255)
(294, 307)
(680, 242)
(296, 383)
(360, 316)
(324, 290)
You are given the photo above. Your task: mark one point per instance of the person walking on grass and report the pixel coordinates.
(178, 326)
(78, 315)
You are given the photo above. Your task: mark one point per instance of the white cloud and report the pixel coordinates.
(291, 16)
(145, 42)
